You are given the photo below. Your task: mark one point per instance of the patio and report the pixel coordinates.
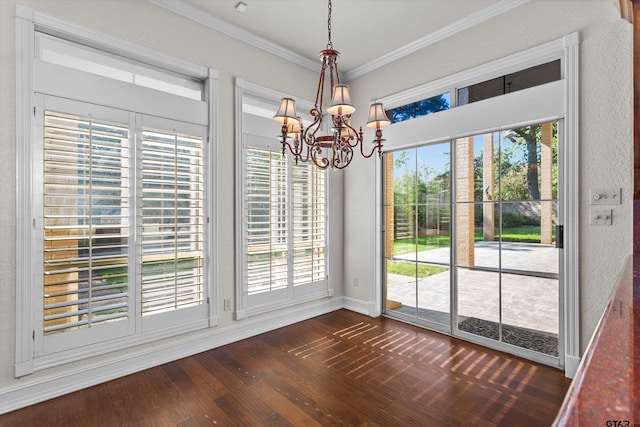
(528, 285)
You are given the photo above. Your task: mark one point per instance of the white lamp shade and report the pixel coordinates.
(377, 116)
(341, 104)
(287, 111)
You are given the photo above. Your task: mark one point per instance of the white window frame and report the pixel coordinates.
(244, 305)
(447, 125)
(28, 22)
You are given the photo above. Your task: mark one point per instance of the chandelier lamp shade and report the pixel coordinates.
(335, 149)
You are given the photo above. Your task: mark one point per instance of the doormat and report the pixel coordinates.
(526, 338)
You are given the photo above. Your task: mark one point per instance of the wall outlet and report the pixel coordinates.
(355, 282)
(227, 304)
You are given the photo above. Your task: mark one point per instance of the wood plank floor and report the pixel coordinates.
(338, 369)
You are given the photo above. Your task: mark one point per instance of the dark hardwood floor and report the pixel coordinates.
(338, 369)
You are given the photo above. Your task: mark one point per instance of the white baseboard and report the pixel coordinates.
(359, 306)
(571, 364)
(40, 387)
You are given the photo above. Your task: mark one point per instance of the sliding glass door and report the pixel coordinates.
(470, 238)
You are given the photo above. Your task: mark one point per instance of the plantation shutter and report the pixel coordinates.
(309, 224)
(172, 218)
(85, 222)
(284, 227)
(266, 204)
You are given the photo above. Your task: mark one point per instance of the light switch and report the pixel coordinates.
(605, 196)
(600, 216)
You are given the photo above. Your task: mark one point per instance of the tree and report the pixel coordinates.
(529, 136)
(418, 109)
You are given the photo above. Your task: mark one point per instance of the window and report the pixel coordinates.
(285, 226)
(282, 246)
(529, 77)
(120, 234)
(274, 187)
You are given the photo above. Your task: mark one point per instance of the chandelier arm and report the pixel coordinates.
(377, 144)
(320, 90)
(343, 157)
(335, 68)
(300, 157)
(353, 136)
(310, 132)
(294, 151)
(332, 71)
(323, 163)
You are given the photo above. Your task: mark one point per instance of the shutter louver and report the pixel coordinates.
(172, 215)
(309, 220)
(266, 219)
(85, 226)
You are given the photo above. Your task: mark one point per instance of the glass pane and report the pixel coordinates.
(308, 232)
(404, 232)
(401, 277)
(432, 270)
(418, 229)
(476, 171)
(530, 286)
(507, 263)
(420, 108)
(534, 76)
(478, 277)
(486, 237)
(433, 174)
(404, 177)
(480, 91)
(86, 222)
(173, 222)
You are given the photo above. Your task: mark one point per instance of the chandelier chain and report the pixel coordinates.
(329, 42)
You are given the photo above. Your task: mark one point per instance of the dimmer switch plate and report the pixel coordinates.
(605, 196)
(600, 216)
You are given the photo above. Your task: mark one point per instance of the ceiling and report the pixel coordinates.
(368, 33)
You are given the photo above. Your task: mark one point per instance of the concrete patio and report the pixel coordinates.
(528, 285)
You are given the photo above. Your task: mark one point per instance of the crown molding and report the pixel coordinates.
(483, 15)
(197, 15)
(193, 13)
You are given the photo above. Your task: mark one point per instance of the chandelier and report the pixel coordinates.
(335, 149)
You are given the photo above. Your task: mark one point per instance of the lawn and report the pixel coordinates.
(409, 269)
(523, 233)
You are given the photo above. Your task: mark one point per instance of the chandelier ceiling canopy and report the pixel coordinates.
(335, 149)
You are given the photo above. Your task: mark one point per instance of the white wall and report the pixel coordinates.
(145, 24)
(606, 145)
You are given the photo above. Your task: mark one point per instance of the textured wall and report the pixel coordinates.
(605, 128)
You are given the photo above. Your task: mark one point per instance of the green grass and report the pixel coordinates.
(523, 234)
(406, 246)
(409, 269)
